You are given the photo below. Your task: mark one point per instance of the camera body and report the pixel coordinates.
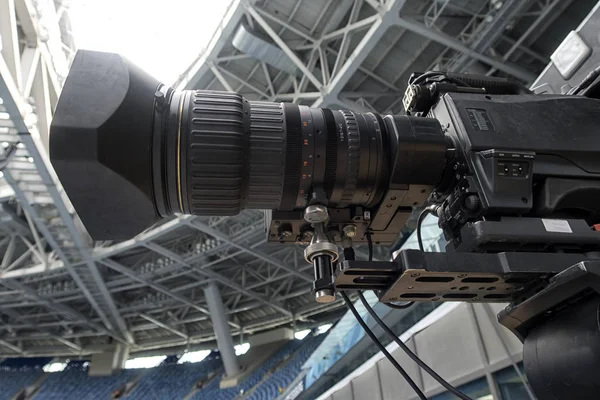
(522, 155)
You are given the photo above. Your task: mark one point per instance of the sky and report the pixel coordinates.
(162, 37)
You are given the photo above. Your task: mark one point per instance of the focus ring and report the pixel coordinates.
(267, 155)
(215, 154)
(293, 156)
(353, 158)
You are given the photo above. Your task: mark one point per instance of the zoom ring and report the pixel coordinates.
(266, 155)
(215, 153)
(353, 158)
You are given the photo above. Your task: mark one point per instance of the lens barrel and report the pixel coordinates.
(130, 151)
(217, 153)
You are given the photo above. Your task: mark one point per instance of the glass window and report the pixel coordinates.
(477, 390)
(510, 385)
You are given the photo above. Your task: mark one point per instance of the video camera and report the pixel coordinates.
(514, 178)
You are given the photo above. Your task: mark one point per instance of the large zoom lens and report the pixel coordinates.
(129, 150)
(216, 153)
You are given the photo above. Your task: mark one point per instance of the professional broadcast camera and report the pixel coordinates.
(513, 177)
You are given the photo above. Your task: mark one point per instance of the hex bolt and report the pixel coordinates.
(350, 230)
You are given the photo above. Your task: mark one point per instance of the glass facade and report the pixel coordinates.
(477, 390)
(509, 383)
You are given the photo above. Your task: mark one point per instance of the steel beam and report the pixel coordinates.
(456, 45)
(164, 326)
(284, 24)
(159, 288)
(244, 82)
(492, 31)
(215, 70)
(532, 28)
(268, 76)
(378, 28)
(68, 343)
(256, 253)
(58, 307)
(9, 45)
(351, 26)
(281, 43)
(30, 61)
(218, 277)
(11, 346)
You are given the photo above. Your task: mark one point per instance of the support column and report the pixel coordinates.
(221, 328)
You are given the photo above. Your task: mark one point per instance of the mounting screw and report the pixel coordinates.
(393, 298)
(316, 214)
(349, 230)
(414, 275)
(435, 299)
(461, 275)
(285, 233)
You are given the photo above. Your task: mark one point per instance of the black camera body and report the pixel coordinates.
(518, 155)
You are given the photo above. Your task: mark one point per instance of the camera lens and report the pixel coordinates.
(130, 150)
(220, 153)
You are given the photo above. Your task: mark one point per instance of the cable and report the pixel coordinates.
(422, 77)
(427, 210)
(587, 81)
(457, 81)
(433, 74)
(422, 216)
(409, 353)
(370, 244)
(368, 331)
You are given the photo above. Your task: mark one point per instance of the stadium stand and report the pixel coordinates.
(173, 381)
(250, 387)
(275, 384)
(74, 383)
(12, 382)
(19, 373)
(169, 381)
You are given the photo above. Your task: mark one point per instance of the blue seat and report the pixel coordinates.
(12, 382)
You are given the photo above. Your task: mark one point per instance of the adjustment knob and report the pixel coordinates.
(472, 202)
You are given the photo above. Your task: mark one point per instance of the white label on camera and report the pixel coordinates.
(557, 225)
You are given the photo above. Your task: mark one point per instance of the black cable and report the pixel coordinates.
(381, 347)
(457, 81)
(370, 244)
(422, 216)
(433, 74)
(409, 353)
(587, 81)
(424, 76)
